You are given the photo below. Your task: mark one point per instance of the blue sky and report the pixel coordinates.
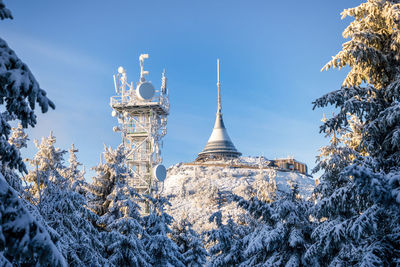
(271, 55)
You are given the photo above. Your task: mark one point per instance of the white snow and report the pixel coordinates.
(194, 189)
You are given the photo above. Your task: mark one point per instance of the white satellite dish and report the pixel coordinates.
(121, 70)
(114, 113)
(145, 91)
(160, 172)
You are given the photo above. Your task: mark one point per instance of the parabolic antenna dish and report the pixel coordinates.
(160, 172)
(121, 70)
(145, 91)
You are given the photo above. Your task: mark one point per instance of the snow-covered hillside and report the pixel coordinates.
(196, 188)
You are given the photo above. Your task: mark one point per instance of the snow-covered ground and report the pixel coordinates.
(195, 188)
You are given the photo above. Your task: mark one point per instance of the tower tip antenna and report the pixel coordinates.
(218, 70)
(163, 82)
(219, 107)
(142, 57)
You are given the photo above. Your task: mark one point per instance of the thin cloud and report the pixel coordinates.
(55, 52)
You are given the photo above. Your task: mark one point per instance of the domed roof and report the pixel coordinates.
(219, 142)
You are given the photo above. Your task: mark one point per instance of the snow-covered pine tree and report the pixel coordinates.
(264, 186)
(333, 159)
(360, 207)
(18, 138)
(45, 177)
(75, 177)
(282, 231)
(190, 244)
(20, 92)
(5, 13)
(24, 241)
(123, 229)
(163, 251)
(64, 209)
(105, 180)
(226, 242)
(121, 219)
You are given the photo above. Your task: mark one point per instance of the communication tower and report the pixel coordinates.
(219, 145)
(142, 117)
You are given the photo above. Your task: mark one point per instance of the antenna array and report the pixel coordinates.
(142, 117)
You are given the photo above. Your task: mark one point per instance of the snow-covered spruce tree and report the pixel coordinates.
(112, 197)
(226, 242)
(18, 138)
(333, 159)
(105, 180)
(123, 229)
(45, 177)
(121, 219)
(190, 244)
(265, 186)
(359, 204)
(163, 251)
(63, 209)
(24, 241)
(20, 92)
(282, 233)
(75, 177)
(5, 13)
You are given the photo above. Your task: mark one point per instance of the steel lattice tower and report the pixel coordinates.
(142, 116)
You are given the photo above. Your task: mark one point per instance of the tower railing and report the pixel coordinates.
(161, 100)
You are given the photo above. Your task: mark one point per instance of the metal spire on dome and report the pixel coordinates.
(219, 107)
(219, 145)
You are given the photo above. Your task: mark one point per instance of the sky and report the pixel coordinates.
(271, 54)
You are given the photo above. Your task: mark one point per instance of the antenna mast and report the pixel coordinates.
(219, 107)
(142, 57)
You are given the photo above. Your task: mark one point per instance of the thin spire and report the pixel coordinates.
(219, 107)
(219, 144)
